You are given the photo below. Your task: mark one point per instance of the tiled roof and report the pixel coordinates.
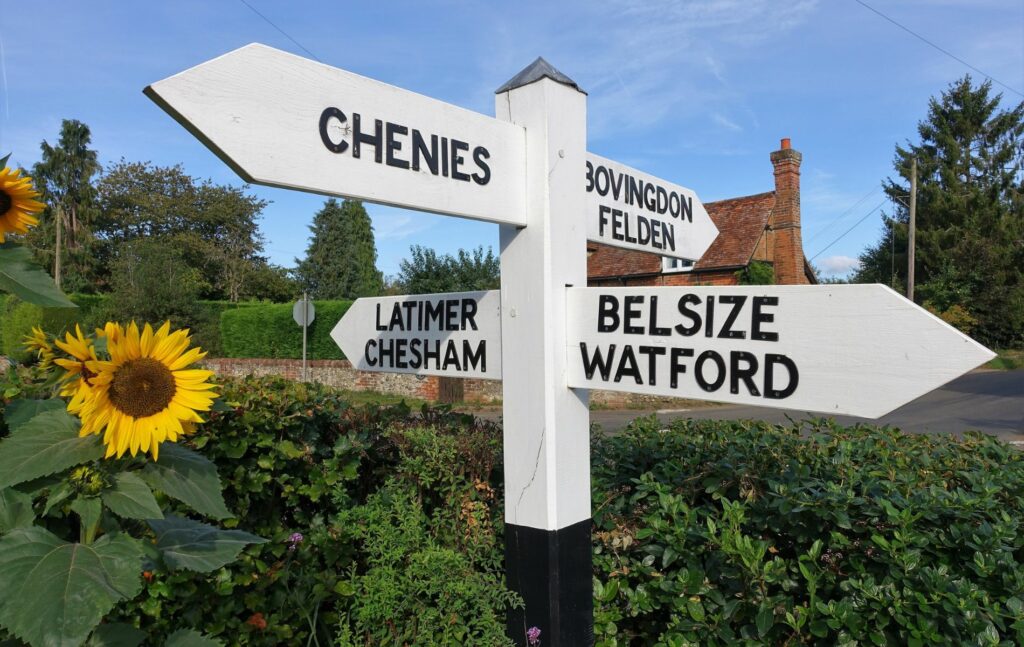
(740, 222)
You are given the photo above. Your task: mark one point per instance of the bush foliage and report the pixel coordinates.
(269, 331)
(705, 532)
(17, 318)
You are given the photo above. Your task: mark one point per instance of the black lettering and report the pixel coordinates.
(643, 230)
(602, 172)
(616, 186)
(607, 313)
(325, 137)
(770, 361)
(480, 156)
(394, 145)
(444, 156)
(371, 359)
(414, 350)
(688, 209)
(628, 366)
(380, 326)
(590, 177)
(451, 314)
(745, 373)
(602, 215)
(432, 353)
(604, 365)
(476, 361)
(662, 200)
(451, 356)
(685, 302)
(652, 352)
(410, 307)
(698, 368)
(673, 204)
(359, 138)
(709, 318)
(649, 196)
(633, 195)
(737, 302)
(386, 350)
(419, 147)
(469, 307)
(653, 328)
(435, 313)
(668, 232)
(677, 368)
(631, 314)
(457, 160)
(400, 345)
(396, 318)
(759, 317)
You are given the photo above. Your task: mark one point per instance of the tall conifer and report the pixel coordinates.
(341, 260)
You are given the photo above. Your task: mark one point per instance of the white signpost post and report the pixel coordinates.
(303, 312)
(285, 121)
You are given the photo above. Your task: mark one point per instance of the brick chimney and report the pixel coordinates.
(788, 252)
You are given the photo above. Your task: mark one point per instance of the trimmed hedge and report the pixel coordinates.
(17, 318)
(269, 331)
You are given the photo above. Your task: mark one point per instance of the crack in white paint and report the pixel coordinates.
(533, 476)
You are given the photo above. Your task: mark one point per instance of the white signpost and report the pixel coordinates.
(457, 334)
(631, 209)
(281, 120)
(860, 350)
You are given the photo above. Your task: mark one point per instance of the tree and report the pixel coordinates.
(341, 260)
(970, 213)
(64, 175)
(426, 272)
(214, 227)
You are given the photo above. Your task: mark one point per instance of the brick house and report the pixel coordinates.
(763, 227)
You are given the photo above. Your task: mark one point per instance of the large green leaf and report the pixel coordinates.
(46, 444)
(54, 592)
(190, 638)
(187, 544)
(189, 478)
(21, 411)
(116, 634)
(15, 510)
(131, 498)
(20, 276)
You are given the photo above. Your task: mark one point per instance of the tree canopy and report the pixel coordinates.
(341, 260)
(970, 214)
(427, 272)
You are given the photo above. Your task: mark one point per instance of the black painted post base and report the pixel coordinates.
(551, 569)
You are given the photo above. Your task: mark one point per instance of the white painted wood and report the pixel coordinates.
(463, 328)
(259, 109)
(656, 216)
(546, 425)
(858, 349)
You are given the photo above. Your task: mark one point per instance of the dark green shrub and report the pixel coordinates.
(757, 273)
(270, 331)
(17, 318)
(295, 458)
(725, 533)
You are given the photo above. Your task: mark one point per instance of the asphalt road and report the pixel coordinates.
(988, 401)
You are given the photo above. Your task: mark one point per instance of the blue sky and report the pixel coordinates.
(697, 92)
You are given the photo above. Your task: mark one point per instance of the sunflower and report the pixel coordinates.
(144, 395)
(39, 344)
(17, 203)
(78, 377)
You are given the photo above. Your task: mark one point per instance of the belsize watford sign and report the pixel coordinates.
(281, 120)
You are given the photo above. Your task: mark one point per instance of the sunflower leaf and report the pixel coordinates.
(21, 411)
(116, 634)
(56, 592)
(46, 444)
(190, 638)
(20, 276)
(131, 498)
(15, 510)
(3, 160)
(188, 477)
(187, 544)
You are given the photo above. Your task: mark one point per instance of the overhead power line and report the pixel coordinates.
(286, 35)
(944, 51)
(843, 235)
(838, 218)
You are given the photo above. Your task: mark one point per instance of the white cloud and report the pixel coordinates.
(838, 265)
(726, 123)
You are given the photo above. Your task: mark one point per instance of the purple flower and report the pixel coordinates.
(294, 540)
(533, 635)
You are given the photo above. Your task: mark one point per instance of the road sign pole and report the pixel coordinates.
(546, 424)
(305, 328)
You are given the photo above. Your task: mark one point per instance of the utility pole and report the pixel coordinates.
(913, 224)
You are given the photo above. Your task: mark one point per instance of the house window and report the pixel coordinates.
(675, 265)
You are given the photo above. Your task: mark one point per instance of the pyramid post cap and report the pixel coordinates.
(535, 71)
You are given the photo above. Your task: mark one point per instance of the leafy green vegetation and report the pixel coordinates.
(270, 331)
(341, 260)
(1007, 360)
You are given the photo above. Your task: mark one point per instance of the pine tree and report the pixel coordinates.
(341, 260)
(970, 213)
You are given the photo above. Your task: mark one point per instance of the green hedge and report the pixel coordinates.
(269, 331)
(17, 319)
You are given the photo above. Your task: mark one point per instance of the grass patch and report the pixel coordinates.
(1007, 360)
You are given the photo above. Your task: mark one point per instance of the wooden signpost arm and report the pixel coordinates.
(546, 424)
